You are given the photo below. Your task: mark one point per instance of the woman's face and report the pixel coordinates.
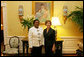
(42, 7)
(36, 24)
(48, 24)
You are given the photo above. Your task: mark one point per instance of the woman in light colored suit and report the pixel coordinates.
(36, 39)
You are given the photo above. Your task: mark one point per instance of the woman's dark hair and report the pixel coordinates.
(36, 20)
(47, 22)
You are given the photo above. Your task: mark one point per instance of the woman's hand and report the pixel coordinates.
(30, 49)
(53, 48)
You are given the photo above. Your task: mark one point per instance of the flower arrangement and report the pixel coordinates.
(27, 21)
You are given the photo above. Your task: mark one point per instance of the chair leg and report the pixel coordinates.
(4, 54)
(18, 52)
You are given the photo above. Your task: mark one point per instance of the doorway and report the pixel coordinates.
(2, 36)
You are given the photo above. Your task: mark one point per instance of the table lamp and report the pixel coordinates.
(55, 22)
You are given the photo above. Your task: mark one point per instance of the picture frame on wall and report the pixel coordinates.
(42, 10)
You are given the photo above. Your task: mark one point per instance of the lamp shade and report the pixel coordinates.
(55, 21)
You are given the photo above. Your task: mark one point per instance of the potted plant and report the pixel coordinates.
(77, 17)
(27, 22)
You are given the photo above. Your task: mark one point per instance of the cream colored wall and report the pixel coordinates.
(70, 28)
(15, 28)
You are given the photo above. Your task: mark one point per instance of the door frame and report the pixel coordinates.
(5, 32)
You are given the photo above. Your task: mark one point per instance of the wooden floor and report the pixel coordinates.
(70, 55)
(29, 55)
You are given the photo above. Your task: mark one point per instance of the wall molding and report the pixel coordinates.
(69, 47)
(8, 37)
(3, 4)
(17, 36)
(70, 44)
(71, 37)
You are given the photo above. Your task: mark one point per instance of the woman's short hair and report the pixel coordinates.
(36, 20)
(47, 22)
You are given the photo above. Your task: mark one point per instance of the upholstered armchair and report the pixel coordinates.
(14, 46)
(79, 51)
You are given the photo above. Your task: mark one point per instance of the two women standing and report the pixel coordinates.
(39, 37)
